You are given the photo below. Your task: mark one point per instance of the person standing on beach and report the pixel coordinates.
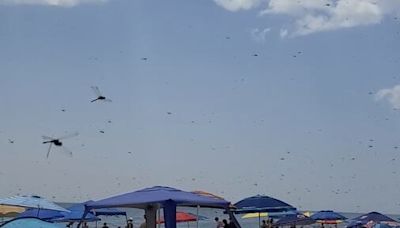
(129, 224)
(219, 223)
(105, 225)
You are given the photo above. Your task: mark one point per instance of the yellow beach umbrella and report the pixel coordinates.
(255, 215)
(7, 211)
(307, 213)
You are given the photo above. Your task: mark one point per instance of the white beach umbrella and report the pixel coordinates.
(31, 202)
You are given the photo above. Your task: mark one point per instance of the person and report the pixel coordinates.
(105, 225)
(231, 223)
(129, 224)
(219, 223)
(85, 225)
(225, 222)
(144, 224)
(264, 224)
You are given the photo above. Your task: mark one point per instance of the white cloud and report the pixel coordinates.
(235, 5)
(392, 95)
(63, 3)
(311, 16)
(259, 35)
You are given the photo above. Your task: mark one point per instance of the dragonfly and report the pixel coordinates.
(57, 142)
(99, 95)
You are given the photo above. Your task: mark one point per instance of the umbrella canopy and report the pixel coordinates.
(184, 217)
(31, 202)
(75, 213)
(8, 211)
(328, 217)
(43, 214)
(268, 214)
(294, 220)
(261, 203)
(373, 218)
(28, 223)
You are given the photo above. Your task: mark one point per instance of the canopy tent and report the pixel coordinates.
(371, 219)
(328, 217)
(108, 212)
(156, 197)
(31, 202)
(76, 213)
(294, 220)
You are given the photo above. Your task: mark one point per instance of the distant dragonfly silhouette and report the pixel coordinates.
(99, 95)
(57, 142)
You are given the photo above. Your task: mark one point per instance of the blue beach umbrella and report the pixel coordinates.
(371, 219)
(294, 220)
(43, 214)
(28, 223)
(328, 217)
(260, 203)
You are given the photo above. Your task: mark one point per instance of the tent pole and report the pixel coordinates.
(159, 217)
(197, 216)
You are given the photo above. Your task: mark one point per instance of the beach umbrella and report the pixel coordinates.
(328, 217)
(261, 203)
(28, 223)
(294, 220)
(43, 214)
(266, 214)
(184, 217)
(31, 202)
(372, 218)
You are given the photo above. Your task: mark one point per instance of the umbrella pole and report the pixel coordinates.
(259, 219)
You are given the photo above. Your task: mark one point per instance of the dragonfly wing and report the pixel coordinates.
(67, 151)
(96, 91)
(47, 138)
(69, 136)
(48, 151)
(107, 100)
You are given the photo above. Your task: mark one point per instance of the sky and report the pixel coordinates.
(298, 100)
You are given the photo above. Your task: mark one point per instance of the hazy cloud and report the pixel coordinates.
(235, 5)
(63, 3)
(259, 34)
(391, 94)
(310, 16)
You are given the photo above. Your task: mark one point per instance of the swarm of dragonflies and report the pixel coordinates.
(99, 95)
(57, 142)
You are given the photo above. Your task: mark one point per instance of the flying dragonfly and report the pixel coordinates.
(99, 95)
(58, 142)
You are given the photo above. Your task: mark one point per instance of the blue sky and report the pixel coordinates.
(312, 119)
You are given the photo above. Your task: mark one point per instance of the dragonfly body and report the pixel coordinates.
(57, 142)
(100, 97)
